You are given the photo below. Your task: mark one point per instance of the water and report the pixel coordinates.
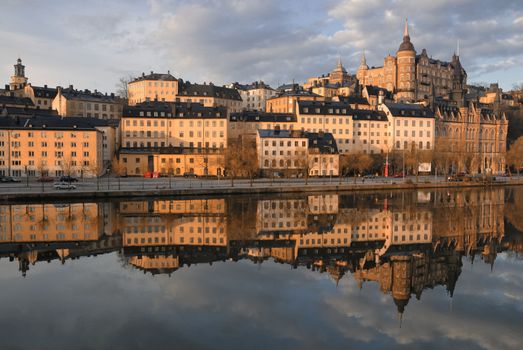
(389, 270)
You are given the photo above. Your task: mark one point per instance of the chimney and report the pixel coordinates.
(71, 87)
(45, 86)
(152, 72)
(143, 74)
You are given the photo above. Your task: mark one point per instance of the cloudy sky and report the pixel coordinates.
(91, 43)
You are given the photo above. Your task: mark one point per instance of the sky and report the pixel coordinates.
(92, 43)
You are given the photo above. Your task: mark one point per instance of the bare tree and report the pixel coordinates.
(515, 154)
(122, 89)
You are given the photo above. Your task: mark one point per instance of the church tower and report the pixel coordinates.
(18, 80)
(406, 63)
(459, 80)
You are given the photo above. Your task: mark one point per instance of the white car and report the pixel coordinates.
(64, 186)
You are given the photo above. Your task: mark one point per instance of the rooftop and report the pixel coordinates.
(158, 109)
(155, 76)
(46, 122)
(409, 110)
(210, 90)
(270, 133)
(257, 116)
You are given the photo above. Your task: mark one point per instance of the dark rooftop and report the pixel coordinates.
(158, 109)
(363, 114)
(264, 133)
(45, 122)
(257, 116)
(210, 90)
(324, 142)
(17, 101)
(155, 76)
(409, 110)
(87, 95)
(44, 92)
(325, 108)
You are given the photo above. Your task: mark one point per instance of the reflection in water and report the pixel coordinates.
(404, 242)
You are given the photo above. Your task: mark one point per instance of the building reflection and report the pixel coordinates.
(405, 242)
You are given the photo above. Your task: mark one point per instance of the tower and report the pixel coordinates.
(362, 69)
(18, 80)
(406, 63)
(339, 74)
(459, 79)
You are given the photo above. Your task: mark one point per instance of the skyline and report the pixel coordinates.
(92, 44)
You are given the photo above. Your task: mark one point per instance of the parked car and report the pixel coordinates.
(67, 178)
(45, 179)
(9, 179)
(187, 174)
(64, 186)
(455, 179)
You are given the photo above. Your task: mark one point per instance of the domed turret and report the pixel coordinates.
(406, 45)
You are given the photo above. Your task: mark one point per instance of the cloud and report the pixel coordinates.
(93, 43)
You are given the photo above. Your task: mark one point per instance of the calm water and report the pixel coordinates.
(391, 270)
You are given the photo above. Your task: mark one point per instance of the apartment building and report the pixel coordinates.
(296, 153)
(247, 123)
(412, 126)
(49, 146)
(70, 102)
(210, 95)
(42, 96)
(355, 130)
(152, 87)
(285, 101)
(254, 95)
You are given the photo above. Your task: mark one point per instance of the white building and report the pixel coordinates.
(254, 95)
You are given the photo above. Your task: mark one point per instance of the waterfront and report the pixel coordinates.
(380, 270)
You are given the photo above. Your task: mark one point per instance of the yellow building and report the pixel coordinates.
(354, 130)
(77, 103)
(286, 101)
(186, 125)
(151, 87)
(34, 223)
(49, 146)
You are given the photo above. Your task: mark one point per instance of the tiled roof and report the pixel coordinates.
(324, 108)
(158, 109)
(256, 116)
(45, 122)
(323, 142)
(155, 76)
(208, 90)
(409, 110)
(87, 95)
(13, 100)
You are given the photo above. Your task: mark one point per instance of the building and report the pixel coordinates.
(471, 139)
(42, 97)
(411, 126)
(151, 87)
(413, 77)
(173, 138)
(337, 78)
(285, 102)
(10, 100)
(355, 130)
(161, 124)
(296, 153)
(84, 103)
(246, 124)
(49, 146)
(210, 95)
(254, 95)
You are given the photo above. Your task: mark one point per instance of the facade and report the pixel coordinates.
(151, 87)
(333, 83)
(210, 95)
(49, 146)
(246, 124)
(254, 95)
(411, 127)
(472, 139)
(413, 77)
(42, 97)
(354, 130)
(77, 103)
(294, 152)
(285, 102)
(173, 139)
(161, 124)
